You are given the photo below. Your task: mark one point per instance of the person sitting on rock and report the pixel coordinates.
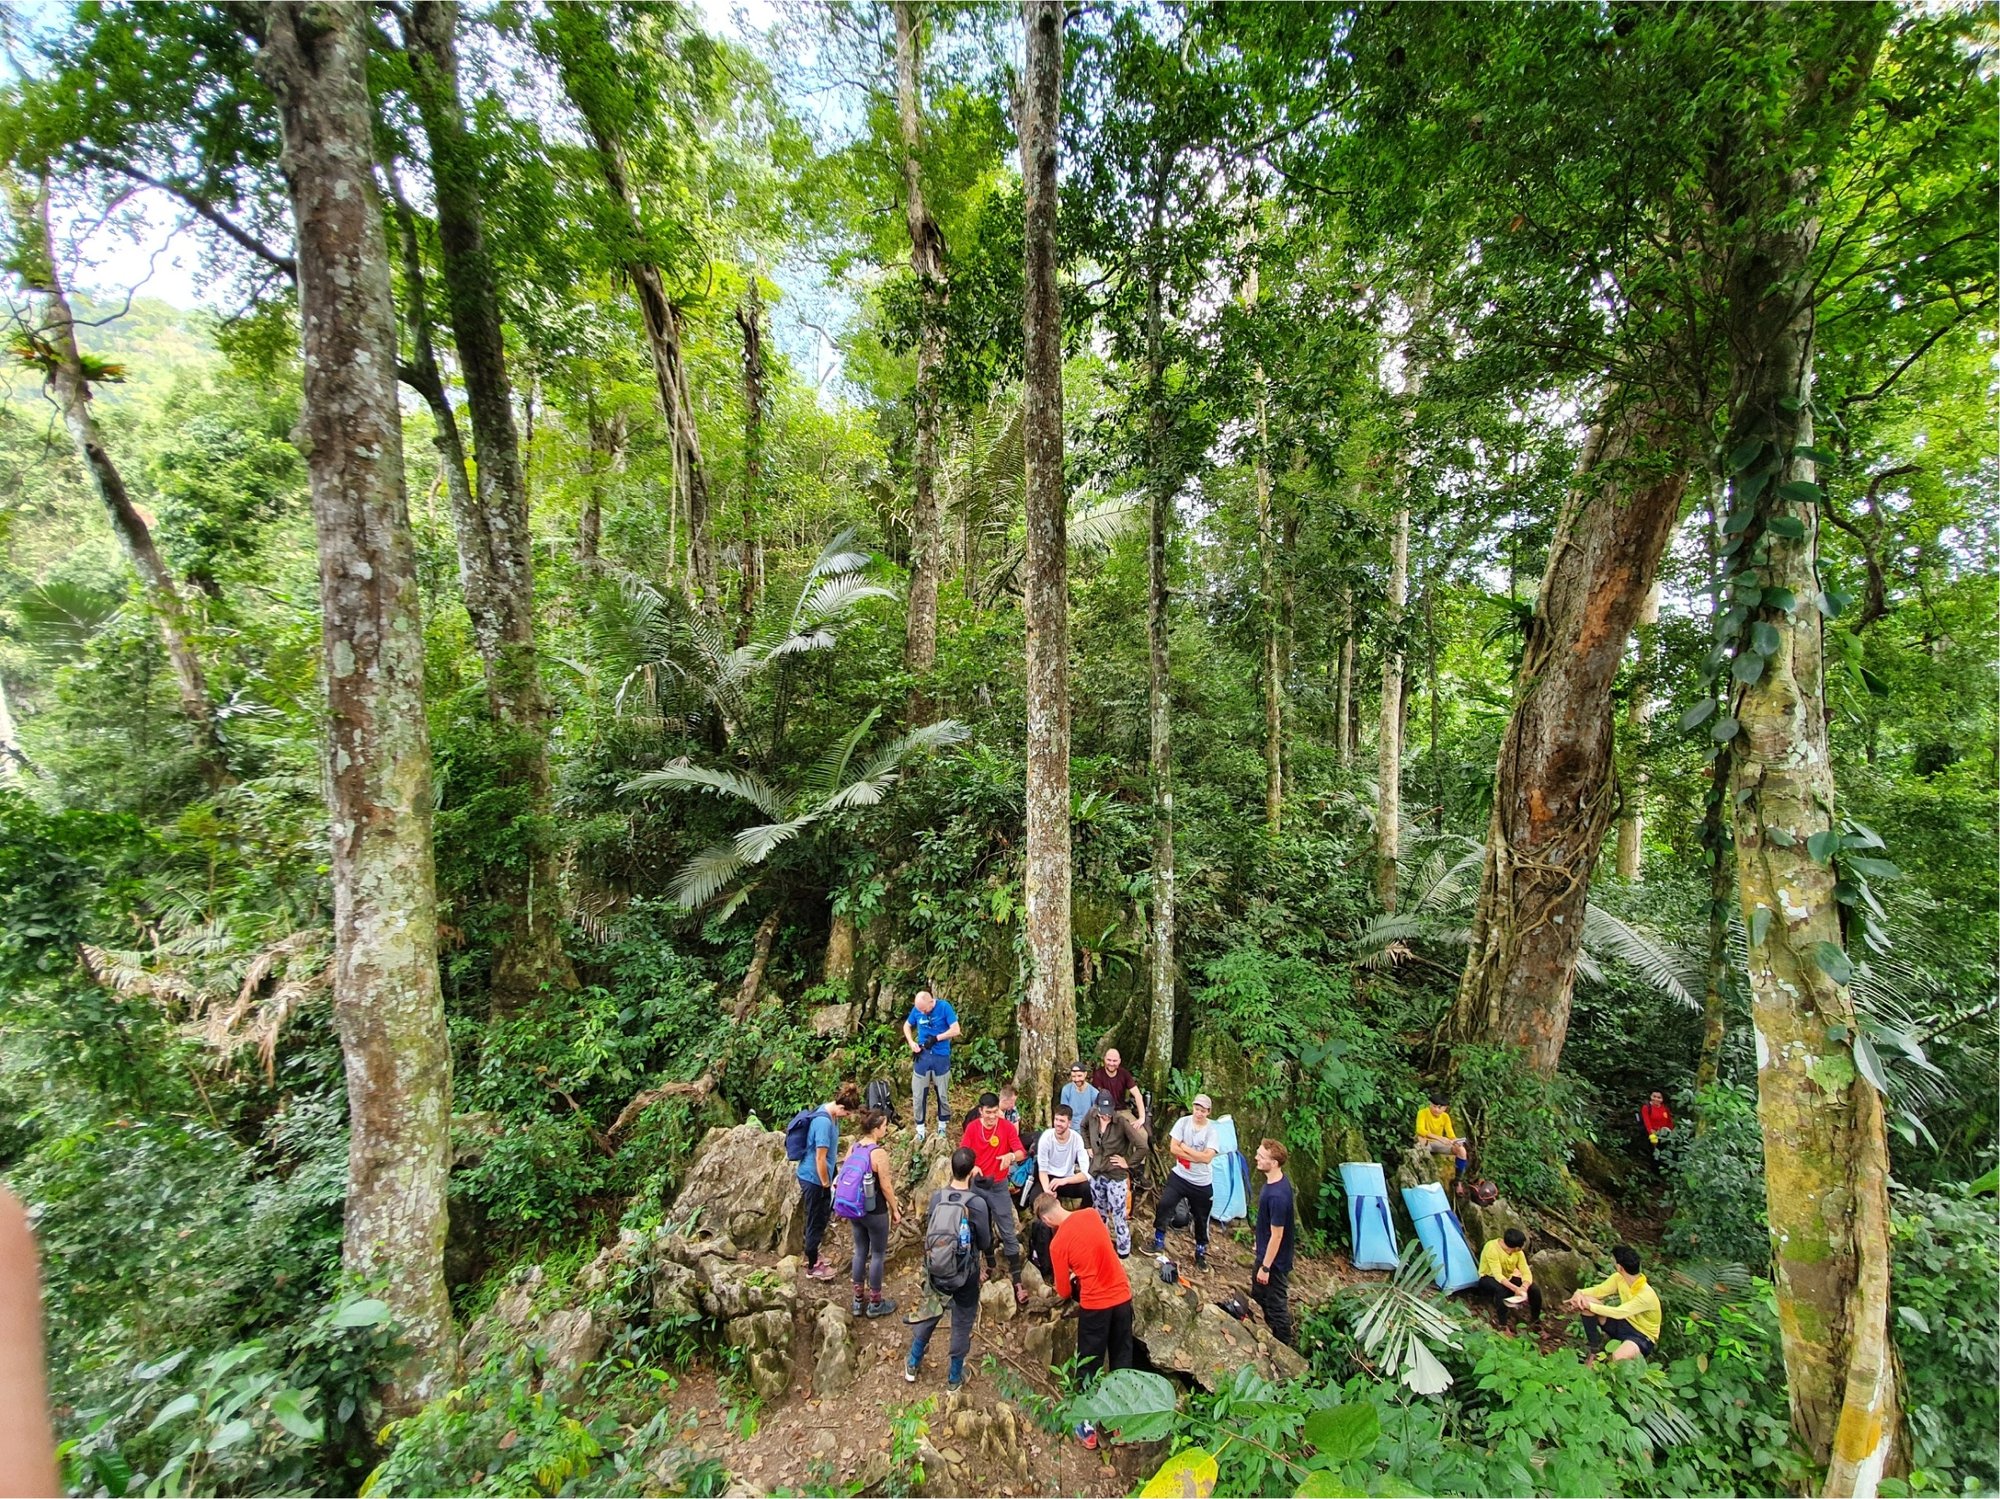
(1632, 1322)
(1438, 1135)
(1085, 1269)
(997, 1146)
(1113, 1142)
(1504, 1275)
(1062, 1168)
(1192, 1179)
(1021, 1180)
(871, 1229)
(1656, 1117)
(930, 1028)
(958, 1232)
(816, 1174)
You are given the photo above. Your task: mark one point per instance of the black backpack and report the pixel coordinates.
(948, 1257)
(882, 1097)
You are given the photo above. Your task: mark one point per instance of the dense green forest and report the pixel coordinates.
(1345, 551)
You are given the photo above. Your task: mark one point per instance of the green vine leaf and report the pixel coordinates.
(1833, 962)
(1698, 715)
(1747, 668)
(1823, 845)
(1788, 526)
(1764, 638)
(1801, 492)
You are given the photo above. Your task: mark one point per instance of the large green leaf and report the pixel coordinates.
(1133, 1404)
(1344, 1433)
(1189, 1474)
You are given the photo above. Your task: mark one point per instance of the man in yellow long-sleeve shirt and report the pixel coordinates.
(1632, 1321)
(1504, 1275)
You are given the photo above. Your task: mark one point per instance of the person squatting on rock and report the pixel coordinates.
(1632, 1322)
(1277, 1216)
(1437, 1134)
(997, 1146)
(930, 1028)
(1113, 1142)
(816, 1174)
(1192, 1179)
(1084, 1268)
(1062, 1168)
(1504, 1275)
(875, 1194)
(958, 1231)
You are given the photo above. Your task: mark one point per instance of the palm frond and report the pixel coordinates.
(799, 645)
(1663, 969)
(1096, 526)
(832, 599)
(704, 876)
(828, 775)
(1397, 1321)
(744, 785)
(931, 736)
(754, 845)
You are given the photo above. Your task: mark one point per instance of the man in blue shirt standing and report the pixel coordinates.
(930, 1029)
(1077, 1094)
(1270, 1279)
(822, 1159)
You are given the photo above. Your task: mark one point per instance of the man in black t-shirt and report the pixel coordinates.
(1270, 1281)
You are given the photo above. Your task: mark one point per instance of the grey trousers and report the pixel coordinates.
(921, 1084)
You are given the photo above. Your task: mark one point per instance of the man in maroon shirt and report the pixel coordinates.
(1112, 1077)
(996, 1145)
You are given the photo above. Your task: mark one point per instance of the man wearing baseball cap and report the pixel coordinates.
(1193, 1145)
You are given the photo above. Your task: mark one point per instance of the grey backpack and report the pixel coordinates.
(948, 1241)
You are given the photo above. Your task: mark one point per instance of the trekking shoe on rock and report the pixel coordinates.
(1087, 1434)
(882, 1307)
(1159, 1243)
(821, 1270)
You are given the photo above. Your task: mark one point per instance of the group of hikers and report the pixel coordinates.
(1076, 1185)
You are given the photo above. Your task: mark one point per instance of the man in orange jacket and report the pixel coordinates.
(1087, 1269)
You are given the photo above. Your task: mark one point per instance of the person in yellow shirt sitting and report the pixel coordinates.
(1437, 1134)
(1504, 1275)
(1632, 1321)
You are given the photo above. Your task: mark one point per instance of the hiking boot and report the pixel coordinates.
(1200, 1258)
(821, 1270)
(881, 1306)
(1087, 1434)
(1159, 1243)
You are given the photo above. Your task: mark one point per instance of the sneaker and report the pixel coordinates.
(955, 1378)
(1201, 1259)
(881, 1308)
(1159, 1243)
(821, 1270)
(856, 1307)
(1087, 1434)
(920, 1134)
(909, 1373)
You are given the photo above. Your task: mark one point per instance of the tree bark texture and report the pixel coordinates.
(609, 434)
(1552, 791)
(585, 59)
(495, 545)
(1159, 679)
(63, 366)
(927, 262)
(1638, 711)
(387, 1002)
(1343, 693)
(1048, 1012)
(1826, 1161)
(750, 318)
(1389, 747)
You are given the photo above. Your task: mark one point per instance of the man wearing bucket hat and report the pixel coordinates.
(1192, 1179)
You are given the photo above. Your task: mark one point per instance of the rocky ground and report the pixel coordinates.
(815, 1398)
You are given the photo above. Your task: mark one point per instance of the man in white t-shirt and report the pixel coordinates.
(1193, 1178)
(1062, 1167)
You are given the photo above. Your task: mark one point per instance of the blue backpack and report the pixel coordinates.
(798, 1134)
(850, 1188)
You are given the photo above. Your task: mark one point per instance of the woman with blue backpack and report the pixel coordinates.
(864, 1195)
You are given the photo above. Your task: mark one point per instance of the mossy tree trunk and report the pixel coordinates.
(388, 1007)
(1552, 791)
(1162, 948)
(1389, 743)
(495, 545)
(927, 262)
(1048, 1008)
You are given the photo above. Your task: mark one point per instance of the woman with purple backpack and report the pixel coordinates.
(864, 1195)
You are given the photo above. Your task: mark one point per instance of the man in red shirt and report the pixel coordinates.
(1087, 1268)
(996, 1145)
(1656, 1117)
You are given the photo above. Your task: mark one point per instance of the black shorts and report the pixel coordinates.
(1617, 1329)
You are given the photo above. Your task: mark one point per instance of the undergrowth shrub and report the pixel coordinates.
(1715, 1181)
(1947, 1281)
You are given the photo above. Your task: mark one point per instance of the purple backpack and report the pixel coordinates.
(850, 1187)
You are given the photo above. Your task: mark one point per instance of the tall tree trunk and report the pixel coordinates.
(588, 64)
(1552, 789)
(1632, 815)
(1159, 681)
(1048, 1011)
(1389, 747)
(495, 545)
(927, 261)
(750, 318)
(1267, 599)
(1717, 848)
(388, 1006)
(1436, 706)
(608, 436)
(62, 364)
(1343, 695)
(1826, 1161)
